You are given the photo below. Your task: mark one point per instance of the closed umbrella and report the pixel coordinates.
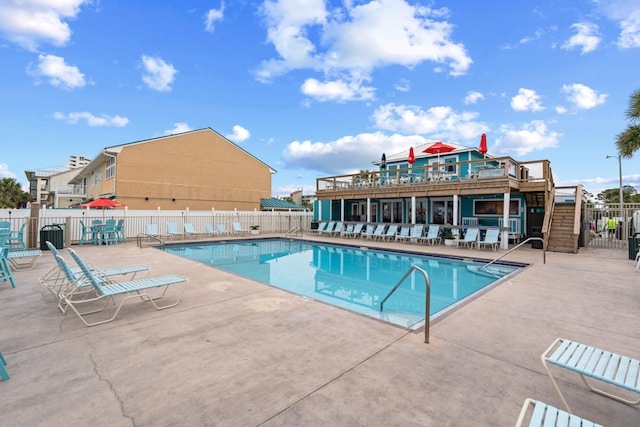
(483, 145)
(383, 163)
(412, 158)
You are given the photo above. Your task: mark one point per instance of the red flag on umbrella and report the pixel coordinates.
(483, 144)
(412, 158)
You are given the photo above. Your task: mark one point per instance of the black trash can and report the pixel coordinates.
(314, 225)
(52, 233)
(536, 232)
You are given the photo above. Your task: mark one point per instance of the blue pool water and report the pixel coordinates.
(350, 277)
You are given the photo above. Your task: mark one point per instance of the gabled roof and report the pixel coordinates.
(104, 154)
(279, 204)
(419, 153)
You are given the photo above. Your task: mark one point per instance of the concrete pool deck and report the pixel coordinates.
(238, 353)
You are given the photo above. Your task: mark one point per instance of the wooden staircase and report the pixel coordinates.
(561, 236)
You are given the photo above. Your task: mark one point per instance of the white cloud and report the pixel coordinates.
(403, 85)
(627, 14)
(473, 97)
(583, 97)
(103, 120)
(530, 137)
(526, 100)
(239, 134)
(213, 16)
(347, 154)
(159, 75)
(587, 37)
(528, 39)
(58, 72)
(180, 127)
(337, 90)
(438, 122)
(29, 23)
(347, 43)
(5, 172)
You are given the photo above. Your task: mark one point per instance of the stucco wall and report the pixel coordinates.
(200, 170)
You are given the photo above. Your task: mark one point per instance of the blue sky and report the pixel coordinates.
(316, 88)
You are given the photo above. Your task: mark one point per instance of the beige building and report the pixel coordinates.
(199, 170)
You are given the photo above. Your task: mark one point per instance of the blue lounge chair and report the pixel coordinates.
(172, 230)
(330, 226)
(355, 232)
(391, 232)
(470, 237)
(591, 362)
(23, 260)
(237, 228)
(404, 233)
(3, 370)
(416, 234)
(211, 230)
(546, 415)
(190, 231)
(106, 291)
(433, 235)
(490, 239)
(378, 232)
(152, 230)
(337, 229)
(221, 229)
(368, 232)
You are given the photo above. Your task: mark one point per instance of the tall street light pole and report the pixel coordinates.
(622, 212)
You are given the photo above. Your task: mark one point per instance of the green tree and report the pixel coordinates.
(11, 194)
(612, 195)
(628, 142)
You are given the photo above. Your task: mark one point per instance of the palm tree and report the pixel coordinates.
(11, 194)
(628, 142)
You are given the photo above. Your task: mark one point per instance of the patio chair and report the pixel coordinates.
(190, 231)
(337, 229)
(106, 291)
(330, 226)
(416, 233)
(5, 270)
(368, 232)
(16, 240)
(120, 237)
(403, 234)
(23, 260)
(152, 230)
(88, 234)
(3, 371)
(433, 235)
(391, 233)
(378, 232)
(355, 232)
(602, 365)
(321, 227)
(71, 280)
(109, 233)
(470, 237)
(490, 239)
(237, 228)
(221, 229)
(546, 415)
(172, 230)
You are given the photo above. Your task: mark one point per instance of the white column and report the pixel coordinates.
(342, 210)
(413, 209)
(319, 210)
(504, 244)
(456, 232)
(368, 209)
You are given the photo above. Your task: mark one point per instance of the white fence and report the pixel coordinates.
(135, 221)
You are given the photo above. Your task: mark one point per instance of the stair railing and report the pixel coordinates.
(544, 251)
(427, 298)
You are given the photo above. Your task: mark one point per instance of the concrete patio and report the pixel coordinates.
(238, 353)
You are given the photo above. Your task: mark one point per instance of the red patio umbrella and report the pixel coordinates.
(102, 202)
(483, 144)
(412, 158)
(438, 147)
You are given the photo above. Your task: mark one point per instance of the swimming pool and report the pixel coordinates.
(351, 277)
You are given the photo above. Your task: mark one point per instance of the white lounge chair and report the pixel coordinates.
(329, 229)
(546, 415)
(416, 233)
(190, 231)
(470, 237)
(172, 230)
(221, 229)
(591, 362)
(391, 233)
(404, 233)
(378, 232)
(321, 227)
(355, 232)
(237, 228)
(368, 232)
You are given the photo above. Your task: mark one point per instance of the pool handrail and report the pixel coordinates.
(427, 297)
(544, 251)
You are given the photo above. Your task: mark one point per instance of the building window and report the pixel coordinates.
(495, 207)
(110, 171)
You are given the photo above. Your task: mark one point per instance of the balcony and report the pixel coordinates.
(494, 175)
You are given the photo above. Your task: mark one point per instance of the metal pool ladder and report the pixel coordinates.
(427, 298)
